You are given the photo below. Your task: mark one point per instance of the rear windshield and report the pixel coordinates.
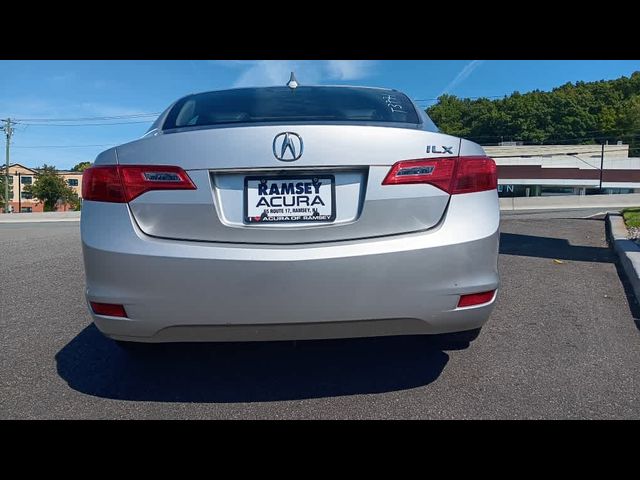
(282, 104)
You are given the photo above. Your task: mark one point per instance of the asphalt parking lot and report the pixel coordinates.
(563, 342)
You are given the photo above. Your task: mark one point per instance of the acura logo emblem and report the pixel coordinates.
(287, 146)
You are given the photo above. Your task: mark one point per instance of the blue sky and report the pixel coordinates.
(33, 90)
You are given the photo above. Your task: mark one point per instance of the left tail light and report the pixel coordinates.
(123, 183)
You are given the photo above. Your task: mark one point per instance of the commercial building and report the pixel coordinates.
(523, 171)
(24, 202)
(542, 170)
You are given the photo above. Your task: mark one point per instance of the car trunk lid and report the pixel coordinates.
(229, 165)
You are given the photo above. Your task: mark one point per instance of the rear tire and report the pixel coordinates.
(456, 340)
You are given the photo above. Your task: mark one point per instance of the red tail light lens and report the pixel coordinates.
(475, 299)
(475, 174)
(453, 175)
(123, 183)
(110, 309)
(102, 184)
(435, 171)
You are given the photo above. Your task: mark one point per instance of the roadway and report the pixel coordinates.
(563, 342)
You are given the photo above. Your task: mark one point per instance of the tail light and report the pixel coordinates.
(123, 183)
(109, 309)
(453, 175)
(475, 299)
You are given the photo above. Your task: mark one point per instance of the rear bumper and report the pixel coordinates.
(191, 291)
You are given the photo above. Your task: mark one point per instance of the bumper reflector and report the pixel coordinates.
(110, 309)
(475, 299)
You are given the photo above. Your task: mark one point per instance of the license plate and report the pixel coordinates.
(281, 199)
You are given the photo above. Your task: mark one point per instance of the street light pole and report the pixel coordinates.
(601, 167)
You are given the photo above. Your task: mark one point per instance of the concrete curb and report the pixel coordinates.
(570, 202)
(40, 217)
(627, 250)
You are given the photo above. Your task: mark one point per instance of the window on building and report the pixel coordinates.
(10, 179)
(72, 182)
(26, 195)
(26, 210)
(26, 180)
(608, 191)
(551, 191)
(512, 191)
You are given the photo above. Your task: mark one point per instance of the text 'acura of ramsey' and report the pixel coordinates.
(291, 212)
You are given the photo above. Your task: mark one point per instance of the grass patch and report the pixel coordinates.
(632, 216)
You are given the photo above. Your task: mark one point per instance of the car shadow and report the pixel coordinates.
(554, 248)
(561, 249)
(248, 371)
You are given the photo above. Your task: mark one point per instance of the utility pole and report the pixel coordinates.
(19, 195)
(8, 130)
(601, 167)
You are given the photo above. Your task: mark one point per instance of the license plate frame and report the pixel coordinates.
(304, 177)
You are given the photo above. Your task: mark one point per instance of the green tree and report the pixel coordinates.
(584, 112)
(81, 167)
(2, 199)
(74, 201)
(49, 188)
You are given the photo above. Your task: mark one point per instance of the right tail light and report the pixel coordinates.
(453, 175)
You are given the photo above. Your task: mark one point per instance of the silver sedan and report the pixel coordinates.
(290, 212)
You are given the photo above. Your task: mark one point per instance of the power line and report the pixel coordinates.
(461, 98)
(583, 161)
(551, 141)
(80, 124)
(604, 135)
(78, 119)
(66, 146)
(554, 154)
(609, 130)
